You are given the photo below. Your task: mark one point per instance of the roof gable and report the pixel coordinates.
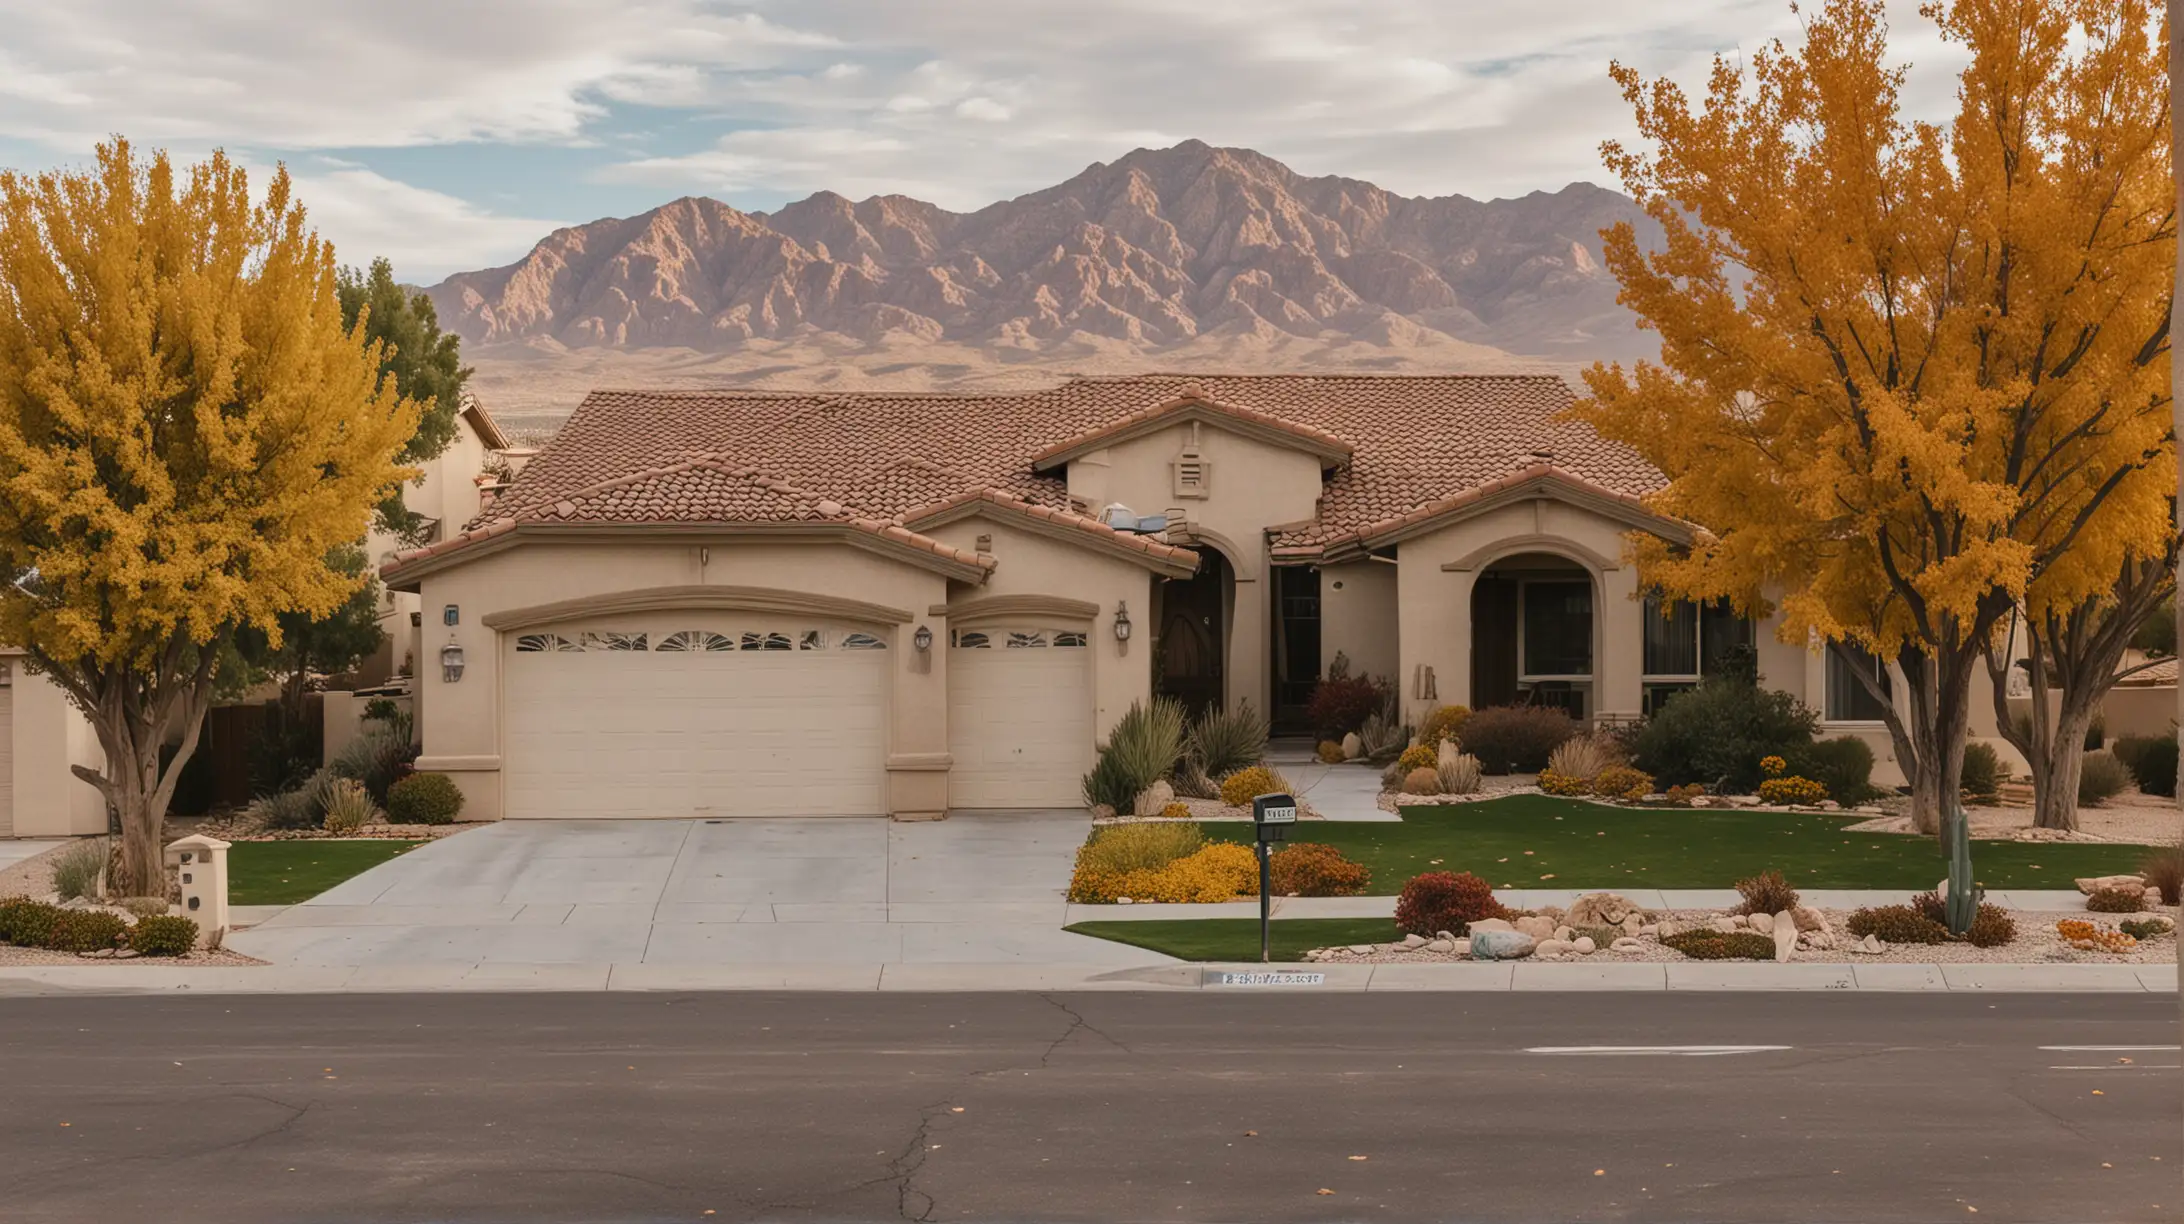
(1062, 525)
(1193, 405)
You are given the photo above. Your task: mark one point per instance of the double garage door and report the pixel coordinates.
(703, 715)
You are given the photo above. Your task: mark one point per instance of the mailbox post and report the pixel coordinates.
(202, 865)
(1271, 816)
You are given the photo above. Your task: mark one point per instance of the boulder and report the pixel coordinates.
(1627, 944)
(1501, 945)
(1818, 941)
(1649, 928)
(2104, 883)
(1633, 924)
(1584, 945)
(1762, 923)
(1414, 941)
(1101, 811)
(1491, 924)
(1549, 911)
(1153, 798)
(1725, 924)
(1362, 949)
(1352, 747)
(1537, 927)
(1462, 948)
(1553, 947)
(1785, 934)
(1444, 935)
(1741, 800)
(1441, 945)
(1870, 945)
(1600, 909)
(1702, 801)
(1565, 934)
(1809, 919)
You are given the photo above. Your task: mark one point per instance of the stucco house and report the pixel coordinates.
(695, 603)
(42, 734)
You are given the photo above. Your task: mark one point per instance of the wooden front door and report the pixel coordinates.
(1194, 636)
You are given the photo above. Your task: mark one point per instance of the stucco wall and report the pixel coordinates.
(1033, 564)
(50, 734)
(1254, 486)
(462, 720)
(1358, 619)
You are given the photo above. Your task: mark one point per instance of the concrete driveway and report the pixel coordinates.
(982, 890)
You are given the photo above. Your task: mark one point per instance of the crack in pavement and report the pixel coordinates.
(1077, 1022)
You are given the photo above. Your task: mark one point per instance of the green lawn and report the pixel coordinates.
(1540, 841)
(1237, 939)
(285, 872)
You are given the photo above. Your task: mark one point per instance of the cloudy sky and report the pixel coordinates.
(452, 134)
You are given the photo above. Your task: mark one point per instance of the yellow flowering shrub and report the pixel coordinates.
(2089, 937)
(1418, 756)
(1563, 784)
(1220, 872)
(1245, 785)
(1792, 789)
(1772, 766)
(1176, 811)
(1330, 753)
(1622, 782)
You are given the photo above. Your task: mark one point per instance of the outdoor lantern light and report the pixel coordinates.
(923, 638)
(1122, 622)
(451, 663)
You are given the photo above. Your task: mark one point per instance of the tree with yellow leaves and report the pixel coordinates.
(187, 431)
(1942, 387)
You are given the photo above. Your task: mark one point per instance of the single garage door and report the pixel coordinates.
(1019, 717)
(767, 720)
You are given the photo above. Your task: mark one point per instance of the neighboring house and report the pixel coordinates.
(452, 488)
(758, 604)
(42, 733)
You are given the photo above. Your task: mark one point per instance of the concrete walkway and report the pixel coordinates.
(706, 893)
(15, 849)
(1336, 792)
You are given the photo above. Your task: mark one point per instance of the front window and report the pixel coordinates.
(1557, 625)
(1685, 640)
(1848, 698)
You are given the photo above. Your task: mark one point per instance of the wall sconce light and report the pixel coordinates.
(923, 638)
(451, 615)
(1122, 622)
(451, 663)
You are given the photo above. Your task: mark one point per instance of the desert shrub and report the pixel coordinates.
(1844, 765)
(426, 799)
(1992, 925)
(1224, 741)
(1147, 742)
(1313, 869)
(2124, 900)
(2163, 869)
(86, 930)
(2093, 938)
(1176, 811)
(1584, 756)
(1217, 872)
(1791, 790)
(76, 870)
(1765, 893)
(1444, 901)
(144, 907)
(1330, 753)
(1719, 731)
(1443, 723)
(294, 809)
(1623, 782)
(2096, 734)
(1241, 787)
(2145, 928)
(1383, 736)
(1391, 778)
(2152, 762)
(1682, 796)
(1896, 924)
(1516, 739)
(1191, 782)
(378, 758)
(1342, 702)
(2101, 777)
(1422, 781)
(1114, 852)
(1418, 756)
(1555, 782)
(1705, 944)
(163, 935)
(349, 806)
(25, 923)
(1983, 773)
(1459, 770)
(1601, 936)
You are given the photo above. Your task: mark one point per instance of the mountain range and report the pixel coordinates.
(1190, 257)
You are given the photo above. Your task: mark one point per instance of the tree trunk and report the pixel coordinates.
(1940, 717)
(2055, 773)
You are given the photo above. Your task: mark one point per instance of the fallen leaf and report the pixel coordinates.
(1599, 1172)
(1501, 860)
(1251, 1134)
(957, 1109)
(1325, 1190)
(1549, 876)
(2106, 1165)
(65, 1124)
(2098, 1092)
(1528, 852)
(1361, 1158)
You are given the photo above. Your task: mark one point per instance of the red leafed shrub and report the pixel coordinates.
(1314, 869)
(1445, 901)
(1341, 704)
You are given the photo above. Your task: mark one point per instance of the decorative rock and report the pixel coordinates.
(1809, 919)
(1740, 921)
(1441, 945)
(1362, 949)
(1785, 935)
(1585, 945)
(1818, 941)
(1101, 811)
(1352, 747)
(1725, 925)
(1565, 934)
(2104, 883)
(1553, 947)
(1491, 924)
(1741, 800)
(1649, 928)
(1702, 801)
(1444, 935)
(1762, 923)
(1537, 927)
(1463, 947)
(1830, 805)
(1549, 911)
(1414, 941)
(1870, 945)
(1627, 944)
(1633, 923)
(1600, 909)
(1153, 798)
(1501, 945)
(1124, 901)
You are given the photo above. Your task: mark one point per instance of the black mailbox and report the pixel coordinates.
(1271, 816)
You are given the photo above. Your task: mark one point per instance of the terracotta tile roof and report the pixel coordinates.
(1192, 395)
(1415, 441)
(1127, 540)
(1369, 533)
(2158, 674)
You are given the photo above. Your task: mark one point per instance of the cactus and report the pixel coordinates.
(1964, 895)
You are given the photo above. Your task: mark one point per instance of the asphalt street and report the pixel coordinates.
(1248, 1106)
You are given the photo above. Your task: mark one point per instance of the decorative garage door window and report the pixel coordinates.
(615, 641)
(696, 639)
(1017, 639)
(862, 641)
(766, 641)
(546, 642)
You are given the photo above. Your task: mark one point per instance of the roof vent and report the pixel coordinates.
(1543, 456)
(1122, 518)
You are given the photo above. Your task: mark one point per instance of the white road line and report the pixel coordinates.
(2109, 1049)
(1687, 1051)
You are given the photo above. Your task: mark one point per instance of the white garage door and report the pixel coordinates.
(1019, 717)
(771, 720)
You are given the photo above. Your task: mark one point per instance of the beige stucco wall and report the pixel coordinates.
(50, 734)
(447, 490)
(461, 721)
(1033, 564)
(1358, 619)
(1254, 486)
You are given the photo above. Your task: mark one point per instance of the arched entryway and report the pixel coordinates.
(1534, 634)
(1190, 653)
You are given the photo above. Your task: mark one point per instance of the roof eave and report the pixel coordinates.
(405, 573)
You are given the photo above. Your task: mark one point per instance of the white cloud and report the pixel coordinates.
(426, 234)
